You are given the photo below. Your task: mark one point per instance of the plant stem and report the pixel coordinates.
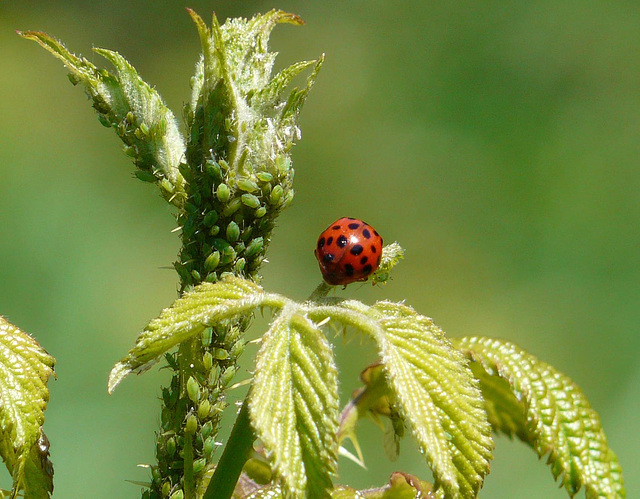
(235, 455)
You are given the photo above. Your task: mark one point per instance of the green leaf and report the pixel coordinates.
(504, 411)
(374, 399)
(238, 112)
(294, 403)
(25, 369)
(434, 388)
(38, 471)
(206, 305)
(128, 104)
(556, 418)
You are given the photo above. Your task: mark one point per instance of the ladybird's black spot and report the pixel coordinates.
(350, 218)
(335, 227)
(366, 233)
(342, 241)
(321, 242)
(373, 248)
(328, 258)
(348, 269)
(376, 233)
(363, 260)
(353, 226)
(379, 258)
(329, 241)
(356, 250)
(367, 269)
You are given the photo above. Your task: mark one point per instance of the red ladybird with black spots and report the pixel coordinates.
(349, 250)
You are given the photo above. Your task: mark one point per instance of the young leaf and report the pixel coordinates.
(373, 399)
(294, 403)
(25, 369)
(557, 419)
(207, 304)
(128, 104)
(434, 388)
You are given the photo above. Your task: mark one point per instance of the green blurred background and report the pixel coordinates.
(498, 142)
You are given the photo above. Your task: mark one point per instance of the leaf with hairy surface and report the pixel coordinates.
(556, 418)
(25, 369)
(127, 103)
(434, 387)
(207, 304)
(294, 403)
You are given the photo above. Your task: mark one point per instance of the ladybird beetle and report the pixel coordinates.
(348, 251)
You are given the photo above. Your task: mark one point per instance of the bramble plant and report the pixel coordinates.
(228, 177)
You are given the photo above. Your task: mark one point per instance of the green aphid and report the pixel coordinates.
(207, 428)
(209, 446)
(276, 194)
(220, 354)
(223, 193)
(264, 176)
(214, 171)
(250, 200)
(233, 206)
(207, 335)
(254, 247)
(233, 232)
(283, 164)
(193, 389)
(240, 264)
(145, 176)
(171, 446)
(212, 261)
(191, 425)
(207, 361)
(203, 409)
(199, 464)
(178, 494)
(210, 218)
(247, 185)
